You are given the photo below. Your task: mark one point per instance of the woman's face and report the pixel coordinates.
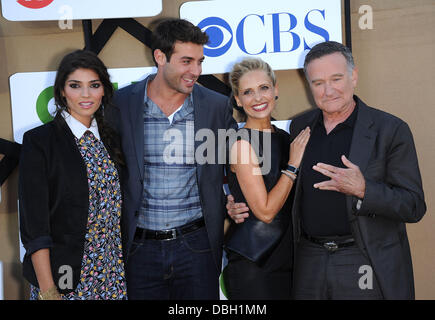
(83, 92)
(256, 94)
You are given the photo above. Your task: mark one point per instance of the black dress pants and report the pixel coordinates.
(345, 274)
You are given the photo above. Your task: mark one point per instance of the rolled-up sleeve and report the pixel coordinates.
(33, 194)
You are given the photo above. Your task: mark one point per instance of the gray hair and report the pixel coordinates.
(326, 48)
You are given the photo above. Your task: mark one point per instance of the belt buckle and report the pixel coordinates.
(330, 246)
(173, 233)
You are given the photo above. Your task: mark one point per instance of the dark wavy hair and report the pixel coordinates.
(170, 30)
(327, 48)
(83, 59)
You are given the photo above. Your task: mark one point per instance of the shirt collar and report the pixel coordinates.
(78, 128)
(188, 103)
(350, 121)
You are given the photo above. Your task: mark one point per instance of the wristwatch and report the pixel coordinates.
(292, 169)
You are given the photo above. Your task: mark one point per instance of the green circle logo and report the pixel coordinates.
(42, 105)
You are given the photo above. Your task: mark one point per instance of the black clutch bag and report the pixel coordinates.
(254, 239)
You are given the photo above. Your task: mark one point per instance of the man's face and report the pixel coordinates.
(184, 67)
(332, 84)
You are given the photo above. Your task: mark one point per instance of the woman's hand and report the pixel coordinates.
(41, 264)
(297, 147)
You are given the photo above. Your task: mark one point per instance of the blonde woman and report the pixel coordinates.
(259, 250)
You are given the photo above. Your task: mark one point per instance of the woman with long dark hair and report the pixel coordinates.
(69, 190)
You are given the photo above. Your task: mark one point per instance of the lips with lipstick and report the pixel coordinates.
(86, 104)
(260, 107)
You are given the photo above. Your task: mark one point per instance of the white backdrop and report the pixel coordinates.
(278, 31)
(27, 10)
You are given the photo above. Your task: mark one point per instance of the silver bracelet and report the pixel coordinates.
(289, 174)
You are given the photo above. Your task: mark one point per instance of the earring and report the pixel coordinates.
(276, 97)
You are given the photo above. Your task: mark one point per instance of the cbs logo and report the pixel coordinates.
(221, 34)
(34, 4)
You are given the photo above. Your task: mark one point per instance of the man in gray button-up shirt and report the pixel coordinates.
(173, 210)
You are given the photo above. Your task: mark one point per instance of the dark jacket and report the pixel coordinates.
(53, 199)
(383, 148)
(211, 111)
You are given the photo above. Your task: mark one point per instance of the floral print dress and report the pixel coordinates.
(102, 272)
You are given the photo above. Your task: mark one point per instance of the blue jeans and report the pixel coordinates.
(178, 269)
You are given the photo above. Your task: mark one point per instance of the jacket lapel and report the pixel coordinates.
(295, 210)
(363, 140)
(136, 107)
(200, 121)
(70, 151)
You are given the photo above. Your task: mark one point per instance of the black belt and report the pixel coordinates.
(168, 234)
(332, 244)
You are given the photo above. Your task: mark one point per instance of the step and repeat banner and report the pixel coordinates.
(281, 36)
(280, 32)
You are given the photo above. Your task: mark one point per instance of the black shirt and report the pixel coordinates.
(324, 212)
(254, 239)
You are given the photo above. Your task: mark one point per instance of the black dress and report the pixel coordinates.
(260, 254)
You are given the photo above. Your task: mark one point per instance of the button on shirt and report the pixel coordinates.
(324, 212)
(170, 196)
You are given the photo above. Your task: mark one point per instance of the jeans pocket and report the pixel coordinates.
(197, 241)
(134, 248)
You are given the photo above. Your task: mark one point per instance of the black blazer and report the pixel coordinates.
(383, 148)
(53, 199)
(211, 111)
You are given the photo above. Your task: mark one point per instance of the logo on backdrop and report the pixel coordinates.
(221, 34)
(281, 36)
(34, 4)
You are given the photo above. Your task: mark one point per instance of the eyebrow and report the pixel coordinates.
(258, 86)
(191, 58)
(72, 80)
(334, 75)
